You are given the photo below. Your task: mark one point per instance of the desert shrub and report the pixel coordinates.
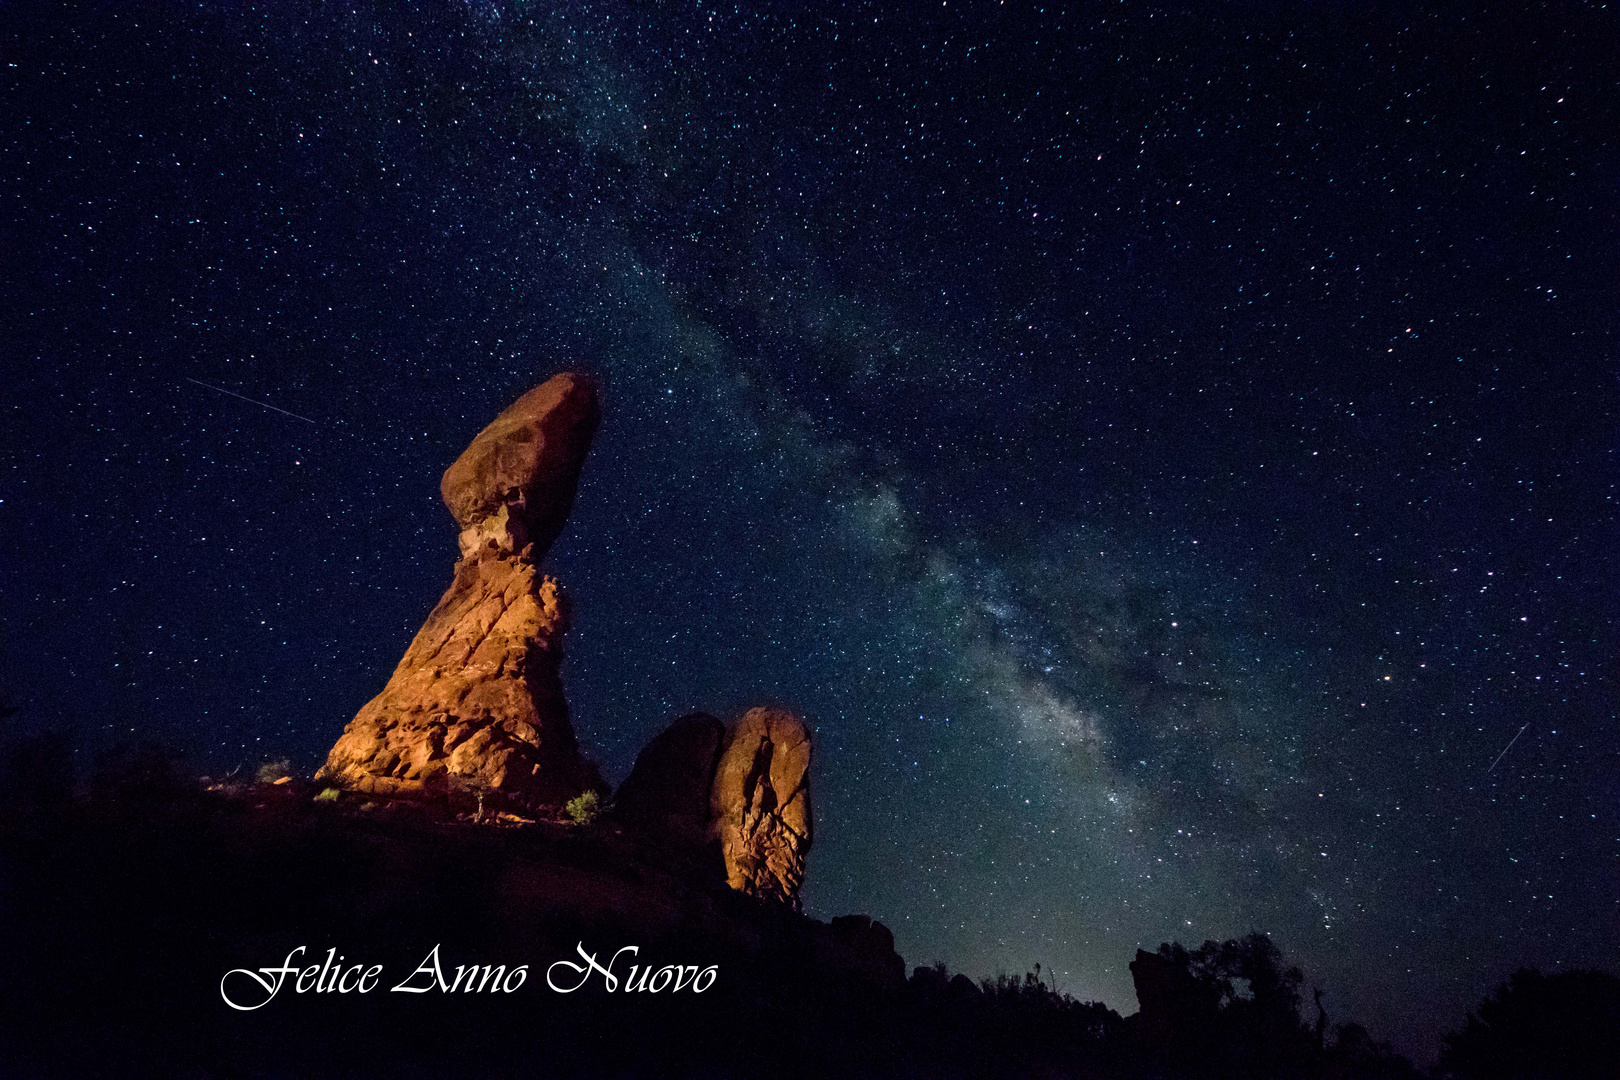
(584, 808)
(271, 771)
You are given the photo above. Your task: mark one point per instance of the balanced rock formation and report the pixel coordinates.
(737, 795)
(477, 703)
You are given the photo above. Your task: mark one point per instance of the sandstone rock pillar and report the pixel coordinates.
(477, 702)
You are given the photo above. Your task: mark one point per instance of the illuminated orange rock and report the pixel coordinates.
(476, 702)
(760, 804)
(514, 484)
(731, 801)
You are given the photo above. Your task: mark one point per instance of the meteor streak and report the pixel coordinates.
(1506, 748)
(265, 404)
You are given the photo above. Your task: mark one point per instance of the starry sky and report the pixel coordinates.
(1167, 452)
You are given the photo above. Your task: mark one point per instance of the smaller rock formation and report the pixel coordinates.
(477, 703)
(760, 804)
(736, 794)
(667, 792)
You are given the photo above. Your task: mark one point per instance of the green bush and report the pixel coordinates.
(271, 771)
(583, 810)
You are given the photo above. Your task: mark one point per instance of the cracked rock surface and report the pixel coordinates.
(731, 799)
(476, 703)
(760, 804)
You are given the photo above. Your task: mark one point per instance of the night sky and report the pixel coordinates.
(1168, 454)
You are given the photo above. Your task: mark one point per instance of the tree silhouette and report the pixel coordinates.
(1224, 1009)
(1538, 1026)
(476, 785)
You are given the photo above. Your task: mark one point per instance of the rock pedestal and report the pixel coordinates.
(476, 704)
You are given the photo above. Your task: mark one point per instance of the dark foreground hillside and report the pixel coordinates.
(126, 905)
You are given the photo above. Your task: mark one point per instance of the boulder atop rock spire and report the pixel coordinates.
(519, 475)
